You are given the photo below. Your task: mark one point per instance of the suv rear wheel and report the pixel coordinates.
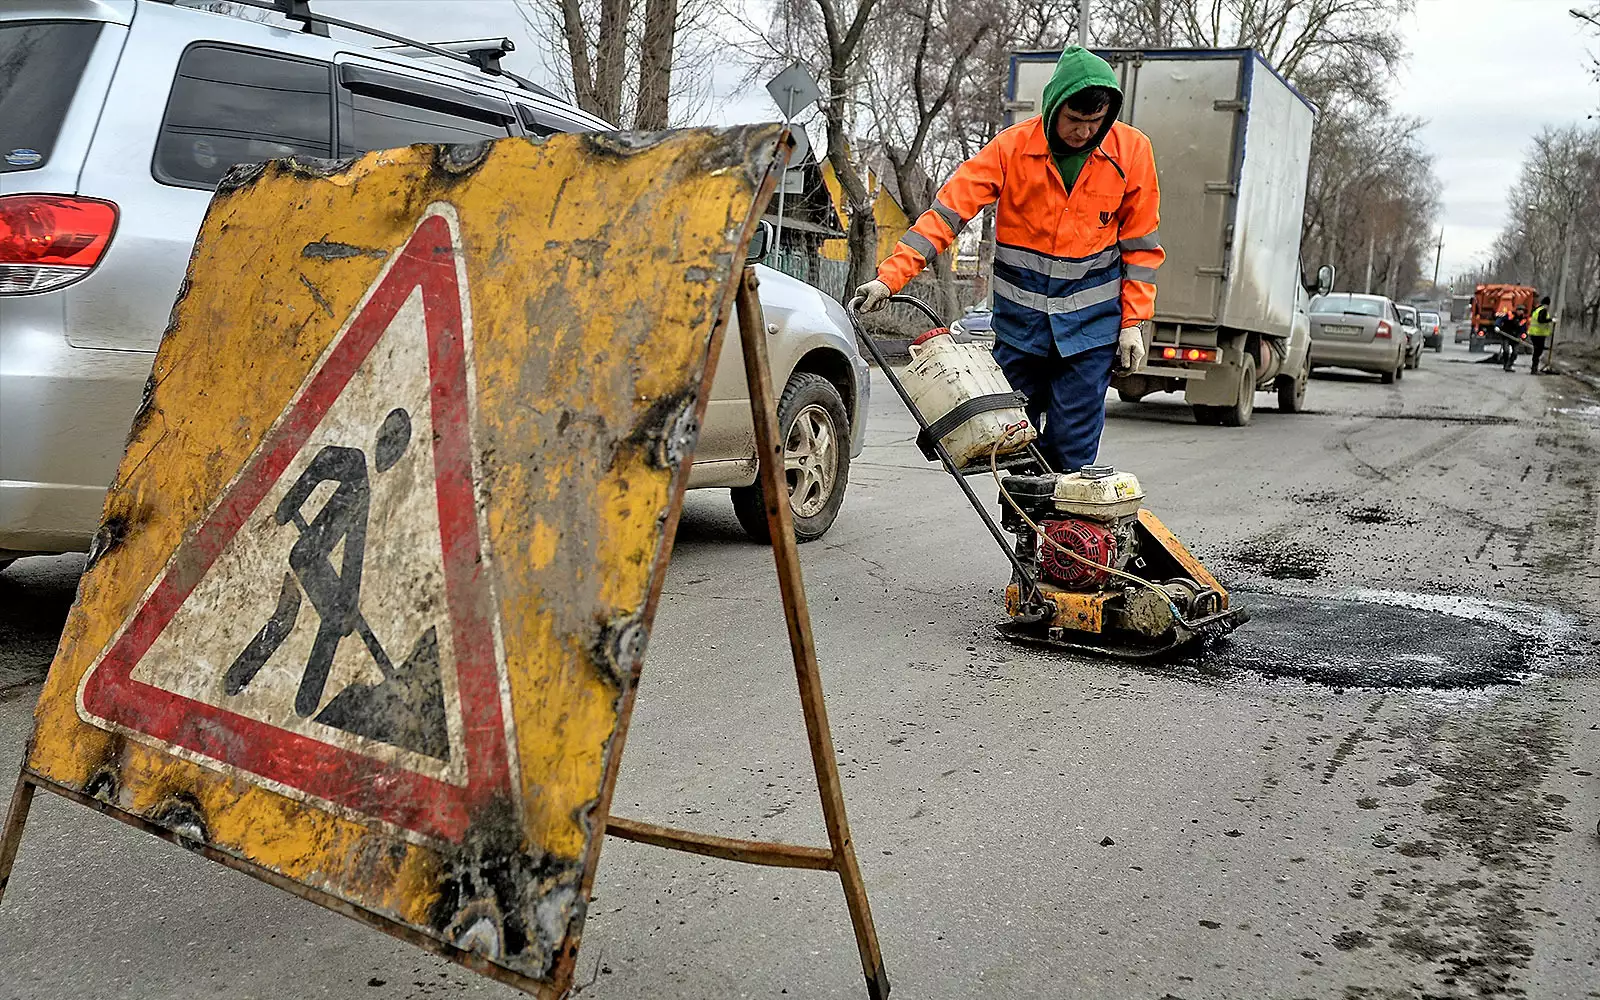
(816, 459)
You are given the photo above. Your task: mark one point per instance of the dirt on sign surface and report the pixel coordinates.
(375, 578)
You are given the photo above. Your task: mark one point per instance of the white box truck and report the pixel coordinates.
(1232, 143)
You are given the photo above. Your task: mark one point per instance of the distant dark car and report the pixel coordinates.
(977, 323)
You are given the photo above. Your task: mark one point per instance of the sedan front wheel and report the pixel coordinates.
(816, 459)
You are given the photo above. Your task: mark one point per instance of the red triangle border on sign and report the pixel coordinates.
(289, 762)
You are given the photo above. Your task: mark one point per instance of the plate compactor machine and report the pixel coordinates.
(1092, 570)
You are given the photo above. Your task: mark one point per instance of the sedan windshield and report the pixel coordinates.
(1346, 304)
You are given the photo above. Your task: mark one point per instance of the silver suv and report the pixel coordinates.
(117, 119)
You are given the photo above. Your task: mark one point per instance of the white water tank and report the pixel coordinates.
(944, 374)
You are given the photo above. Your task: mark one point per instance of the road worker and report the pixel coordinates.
(1076, 251)
(1540, 327)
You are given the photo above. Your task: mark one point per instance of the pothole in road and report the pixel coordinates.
(1444, 417)
(1283, 560)
(1387, 639)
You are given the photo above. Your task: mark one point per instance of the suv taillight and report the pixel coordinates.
(1384, 329)
(49, 240)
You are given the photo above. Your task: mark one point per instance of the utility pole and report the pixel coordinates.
(1561, 282)
(1372, 247)
(1437, 253)
(1083, 23)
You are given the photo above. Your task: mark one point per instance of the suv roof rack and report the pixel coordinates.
(483, 55)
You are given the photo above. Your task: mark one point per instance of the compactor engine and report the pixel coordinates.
(1100, 567)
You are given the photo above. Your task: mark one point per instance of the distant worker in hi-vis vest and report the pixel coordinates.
(1540, 326)
(1076, 251)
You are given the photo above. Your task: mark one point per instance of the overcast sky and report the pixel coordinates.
(1486, 74)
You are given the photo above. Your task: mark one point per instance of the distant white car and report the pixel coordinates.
(977, 323)
(1432, 325)
(1413, 330)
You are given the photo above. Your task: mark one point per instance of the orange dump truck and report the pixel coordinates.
(1489, 301)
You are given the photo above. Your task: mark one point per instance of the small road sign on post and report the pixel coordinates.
(793, 89)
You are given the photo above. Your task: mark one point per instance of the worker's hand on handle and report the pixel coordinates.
(1130, 349)
(870, 297)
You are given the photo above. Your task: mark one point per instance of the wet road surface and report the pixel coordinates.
(1383, 786)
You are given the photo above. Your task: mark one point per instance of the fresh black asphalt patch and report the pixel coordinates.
(1342, 642)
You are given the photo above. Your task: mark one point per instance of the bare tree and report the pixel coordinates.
(625, 62)
(1590, 17)
(917, 60)
(597, 57)
(1553, 224)
(655, 63)
(1356, 38)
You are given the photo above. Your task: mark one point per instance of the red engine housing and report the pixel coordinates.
(1093, 541)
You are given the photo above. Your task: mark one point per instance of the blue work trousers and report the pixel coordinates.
(1068, 393)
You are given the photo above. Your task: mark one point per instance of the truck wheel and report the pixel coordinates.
(816, 459)
(1243, 408)
(1207, 416)
(1129, 397)
(1292, 392)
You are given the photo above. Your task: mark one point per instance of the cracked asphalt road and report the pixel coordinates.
(1385, 786)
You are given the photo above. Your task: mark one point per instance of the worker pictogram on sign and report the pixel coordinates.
(369, 603)
(283, 638)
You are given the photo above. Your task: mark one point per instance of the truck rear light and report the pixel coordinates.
(1384, 329)
(47, 240)
(1188, 354)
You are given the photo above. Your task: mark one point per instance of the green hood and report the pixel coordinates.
(1076, 69)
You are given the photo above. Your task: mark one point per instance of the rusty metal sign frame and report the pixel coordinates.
(838, 857)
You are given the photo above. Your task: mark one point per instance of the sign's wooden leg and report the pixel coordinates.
(780, 524)
(11, 833)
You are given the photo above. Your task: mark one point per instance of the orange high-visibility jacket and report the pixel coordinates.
(1069, 269)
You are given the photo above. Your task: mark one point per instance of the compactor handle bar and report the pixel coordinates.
(1024, 577)
(923, 307)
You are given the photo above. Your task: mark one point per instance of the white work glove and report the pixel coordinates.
(1130, 349)
(871, 297)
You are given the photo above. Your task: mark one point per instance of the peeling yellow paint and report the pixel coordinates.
(595, 272)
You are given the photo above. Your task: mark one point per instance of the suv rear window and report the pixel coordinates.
(377, 123)
(384, 110)
(40, 65)
(235, 106)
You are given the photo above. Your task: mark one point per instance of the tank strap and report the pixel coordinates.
(962, 413)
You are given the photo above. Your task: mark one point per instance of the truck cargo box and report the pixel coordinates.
(1232, 143)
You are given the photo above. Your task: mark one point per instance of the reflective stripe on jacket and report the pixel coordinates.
(1070, 269)
(1540, 325)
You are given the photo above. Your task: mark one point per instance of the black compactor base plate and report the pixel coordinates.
(1117, 646)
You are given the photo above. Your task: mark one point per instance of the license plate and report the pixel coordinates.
(1342, 330)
